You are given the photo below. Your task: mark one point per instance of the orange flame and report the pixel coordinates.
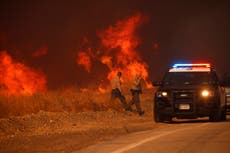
(84, 60)
(16, 78)
(119, 53)
(107, 60)
(122, 39)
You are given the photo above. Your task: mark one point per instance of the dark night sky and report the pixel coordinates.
(184, 30)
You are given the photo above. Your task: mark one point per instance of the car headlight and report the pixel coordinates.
(206, 93)
(162, 94)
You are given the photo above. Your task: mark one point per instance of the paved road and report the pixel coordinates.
(180, 137)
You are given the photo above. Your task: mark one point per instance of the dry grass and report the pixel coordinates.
(62, 101)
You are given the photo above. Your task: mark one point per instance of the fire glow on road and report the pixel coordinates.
(134, 145)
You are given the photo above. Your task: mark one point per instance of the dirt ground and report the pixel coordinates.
(67, 132)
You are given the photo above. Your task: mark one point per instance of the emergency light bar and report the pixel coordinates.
(191, 65)
(200, 67)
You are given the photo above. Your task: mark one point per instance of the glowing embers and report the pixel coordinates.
(198, 67)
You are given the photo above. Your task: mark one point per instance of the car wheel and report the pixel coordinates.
(215, 117)
(168, 119)
(217, 114)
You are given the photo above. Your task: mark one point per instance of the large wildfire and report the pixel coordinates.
(17, 78)
(119, 50)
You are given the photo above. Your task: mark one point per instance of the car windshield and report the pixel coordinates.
(189, 78)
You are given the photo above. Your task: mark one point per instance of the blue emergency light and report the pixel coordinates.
(204, 65)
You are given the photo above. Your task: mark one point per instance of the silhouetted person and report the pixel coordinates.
(136, 90)
(116, 91)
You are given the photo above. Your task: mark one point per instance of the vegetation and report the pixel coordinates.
(70, 100)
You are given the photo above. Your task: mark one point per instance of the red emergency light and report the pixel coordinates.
(196, 67)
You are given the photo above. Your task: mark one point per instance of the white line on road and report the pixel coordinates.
(133, 145)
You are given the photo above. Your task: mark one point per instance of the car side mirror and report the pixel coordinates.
(157, 83)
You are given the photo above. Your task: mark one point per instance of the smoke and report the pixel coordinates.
(113, 37)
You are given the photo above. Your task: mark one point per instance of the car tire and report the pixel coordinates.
(168, 119)
(215, 117)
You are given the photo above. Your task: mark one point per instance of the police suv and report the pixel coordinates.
(189, 91)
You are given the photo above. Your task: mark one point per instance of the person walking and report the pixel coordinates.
(116, 91)
(136, 90)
